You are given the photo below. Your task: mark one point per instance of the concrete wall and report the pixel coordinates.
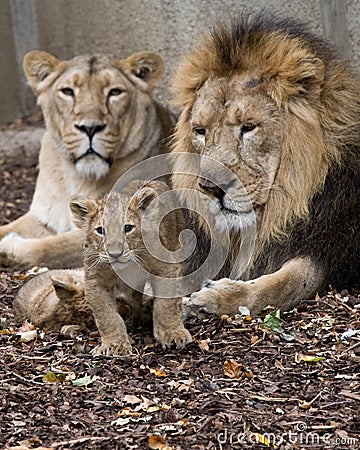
(70, 27)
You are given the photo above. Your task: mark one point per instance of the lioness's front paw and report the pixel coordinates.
(180, 336)
(9, 248)
(113, 348)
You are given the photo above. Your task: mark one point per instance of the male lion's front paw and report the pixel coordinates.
(113, 348)
(166, 337)
(221, 297)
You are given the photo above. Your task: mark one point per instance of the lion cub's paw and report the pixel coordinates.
(113, 348)
(70, 331)
(180, 336)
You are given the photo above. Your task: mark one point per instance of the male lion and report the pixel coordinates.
(281, 110)
(100, 120)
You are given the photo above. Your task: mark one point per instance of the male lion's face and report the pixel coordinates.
(94, 106)
(233, 122)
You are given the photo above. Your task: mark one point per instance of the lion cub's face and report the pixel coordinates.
(113, 224)
(91, 103)
(233, 122)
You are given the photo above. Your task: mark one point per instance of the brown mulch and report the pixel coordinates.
(236, 384)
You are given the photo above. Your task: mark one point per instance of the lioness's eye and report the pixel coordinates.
(200, 131)
(247, 127)
(68, 91)
(100, 231)
(128, 228)
(115, 91)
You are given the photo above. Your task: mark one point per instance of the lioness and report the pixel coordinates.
(277, 107)
(115, 253)
(100, 120)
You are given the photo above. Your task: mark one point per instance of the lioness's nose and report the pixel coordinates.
(90, 130)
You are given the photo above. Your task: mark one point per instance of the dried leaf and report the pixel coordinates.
(299, 357)
(51, 377)
(132, 399)
(157, 442)
(204, 345)
(263, 440)
(158, 372)
(84, 381)
(27, 336)
(233, 369)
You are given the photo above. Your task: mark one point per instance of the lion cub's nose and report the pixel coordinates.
(212, 188)
(115, 256)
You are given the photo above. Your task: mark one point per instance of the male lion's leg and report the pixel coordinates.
(27, 226)
(55, 251)
(298, 279)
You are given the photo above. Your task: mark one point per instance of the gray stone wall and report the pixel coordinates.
(170, 27)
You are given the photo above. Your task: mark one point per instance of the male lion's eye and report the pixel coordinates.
(128, 228)
(247, 127)
(100, 231)
(115, 91)
(68, 91)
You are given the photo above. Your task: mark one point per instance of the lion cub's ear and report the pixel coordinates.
(38, 66)
(64, 286)
(82, 209)
(144, 197)
(144, 69)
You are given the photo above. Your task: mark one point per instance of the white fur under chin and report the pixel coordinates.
(235, 221)
(92, 170)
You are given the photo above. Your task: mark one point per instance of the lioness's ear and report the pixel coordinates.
(144, 197)
(38, 66)
(82, 209)
(145, 69)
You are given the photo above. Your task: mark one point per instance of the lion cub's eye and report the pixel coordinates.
(68, 91)
(100, 231)
(199, 131)
(247, 127)
(128, 228)
(115, 91)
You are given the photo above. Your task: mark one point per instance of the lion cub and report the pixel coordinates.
(118, 261)
(55, 300)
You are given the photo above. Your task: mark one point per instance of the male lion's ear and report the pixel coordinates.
(144, 197)
(82, 209)
(145, 69)
(38, 66)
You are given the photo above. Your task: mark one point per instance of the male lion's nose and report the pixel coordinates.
(90, 130)
(212, 188)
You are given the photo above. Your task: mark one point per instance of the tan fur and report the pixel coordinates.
(55, 300)
(93, 102)
(260, 101)
(108, 246)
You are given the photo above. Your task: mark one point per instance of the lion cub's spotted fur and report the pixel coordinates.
(114, 240)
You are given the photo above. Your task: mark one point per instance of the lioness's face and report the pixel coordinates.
(237, 125)
(94, 106)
